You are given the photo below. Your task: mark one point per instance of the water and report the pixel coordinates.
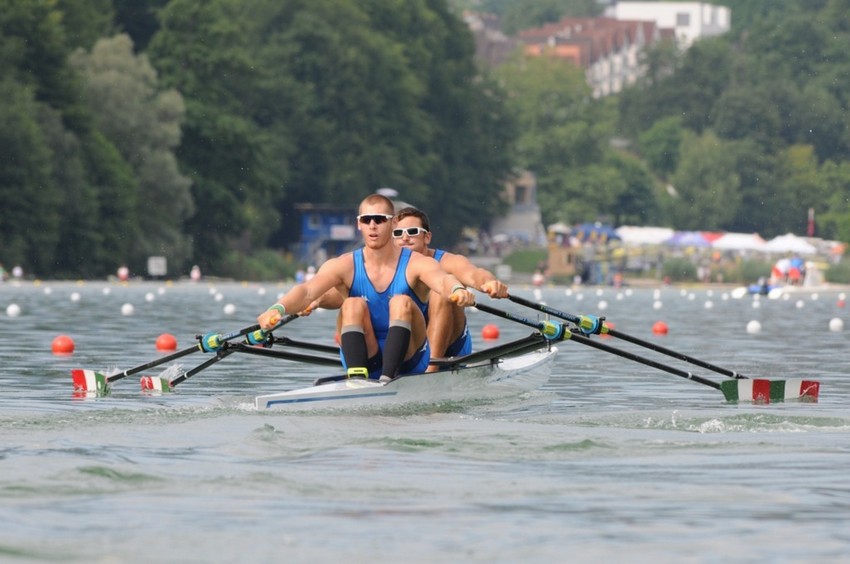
(610, 460)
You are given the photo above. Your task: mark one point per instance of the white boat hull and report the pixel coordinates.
(486, 380)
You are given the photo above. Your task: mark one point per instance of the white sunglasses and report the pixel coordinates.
(399, 232)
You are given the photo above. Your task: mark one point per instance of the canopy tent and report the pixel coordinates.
(687, 239)
(633, 235)
(739, 242)
(595, 233)
(789, 243)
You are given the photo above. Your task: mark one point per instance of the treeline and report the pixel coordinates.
(190, 128)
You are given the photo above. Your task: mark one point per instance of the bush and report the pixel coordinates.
(266, 265)
(526, 260)
(838, 273)
(680, 270)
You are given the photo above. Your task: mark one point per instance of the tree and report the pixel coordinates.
(29, 216)
(708, 196)
(143, 123)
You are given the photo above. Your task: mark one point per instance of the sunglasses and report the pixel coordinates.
(378, 218)
(411, 232)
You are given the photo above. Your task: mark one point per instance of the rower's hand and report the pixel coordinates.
(462, 297)
(495, 289)
(271, 317)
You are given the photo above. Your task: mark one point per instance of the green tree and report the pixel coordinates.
(659, 145)
(143, 123)
(29, 216)
(708, 196)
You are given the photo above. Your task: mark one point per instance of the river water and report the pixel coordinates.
(609, 461)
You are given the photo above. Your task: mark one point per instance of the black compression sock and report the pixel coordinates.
(353, 344)
(395, 347)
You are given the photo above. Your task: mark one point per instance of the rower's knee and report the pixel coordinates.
(402, 307)
(353, 310)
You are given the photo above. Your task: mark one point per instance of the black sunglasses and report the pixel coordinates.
(378, 218)
(411, 232)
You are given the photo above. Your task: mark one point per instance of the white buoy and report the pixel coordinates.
(149, 297)
(708, 304)
(599, 291)
(106, 291)
(619, 296)
(656, 294)
(836, 325)
(629, 291)
(75, 296)
(692, 296)
(13, 310)
(229, 309)
(756, 304)
(127, 309)
(724, 296)
(579, 297)
(261, 291)
(842, 296)
(161, 290)
(218, 297)
(657, 304)
(537, 294)
(800, 304)
(602, 304)
(48, 290)
(815, 296)
(753, 327)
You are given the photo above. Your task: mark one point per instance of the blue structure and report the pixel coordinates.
(326, 231)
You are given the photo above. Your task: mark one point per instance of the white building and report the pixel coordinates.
(689, 20)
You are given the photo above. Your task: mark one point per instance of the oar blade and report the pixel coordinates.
(759, 390)
(89, 382)
(155, 384)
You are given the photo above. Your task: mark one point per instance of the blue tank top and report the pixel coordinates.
(379, 302)
(463, 344)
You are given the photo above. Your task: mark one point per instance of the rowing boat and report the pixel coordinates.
(486, 379)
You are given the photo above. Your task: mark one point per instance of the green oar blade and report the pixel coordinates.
(760, 390)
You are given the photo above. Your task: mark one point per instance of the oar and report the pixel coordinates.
(595, 325)
(161, 384)
(743, 388)
(759, 390)
(222, 349)
(93, 381)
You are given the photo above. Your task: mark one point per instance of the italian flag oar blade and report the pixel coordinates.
(89, 381)
(759, 390)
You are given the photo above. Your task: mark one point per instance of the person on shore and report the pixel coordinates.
(384, 290)
(448, 331)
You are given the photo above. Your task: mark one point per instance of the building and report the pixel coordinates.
(606, 48)
(609, 48)
(689, 21)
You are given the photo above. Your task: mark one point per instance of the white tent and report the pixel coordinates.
(789, 243)
(739, 242)
(635, 235)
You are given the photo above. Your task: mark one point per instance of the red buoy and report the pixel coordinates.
(166, 342)
(63, 344)
(660, 328)
(490, 332)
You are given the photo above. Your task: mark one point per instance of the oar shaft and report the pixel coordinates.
(648, 362)
(168, 358)
(206, 364)
(546, 329)
(675, 354)
(626, 337)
